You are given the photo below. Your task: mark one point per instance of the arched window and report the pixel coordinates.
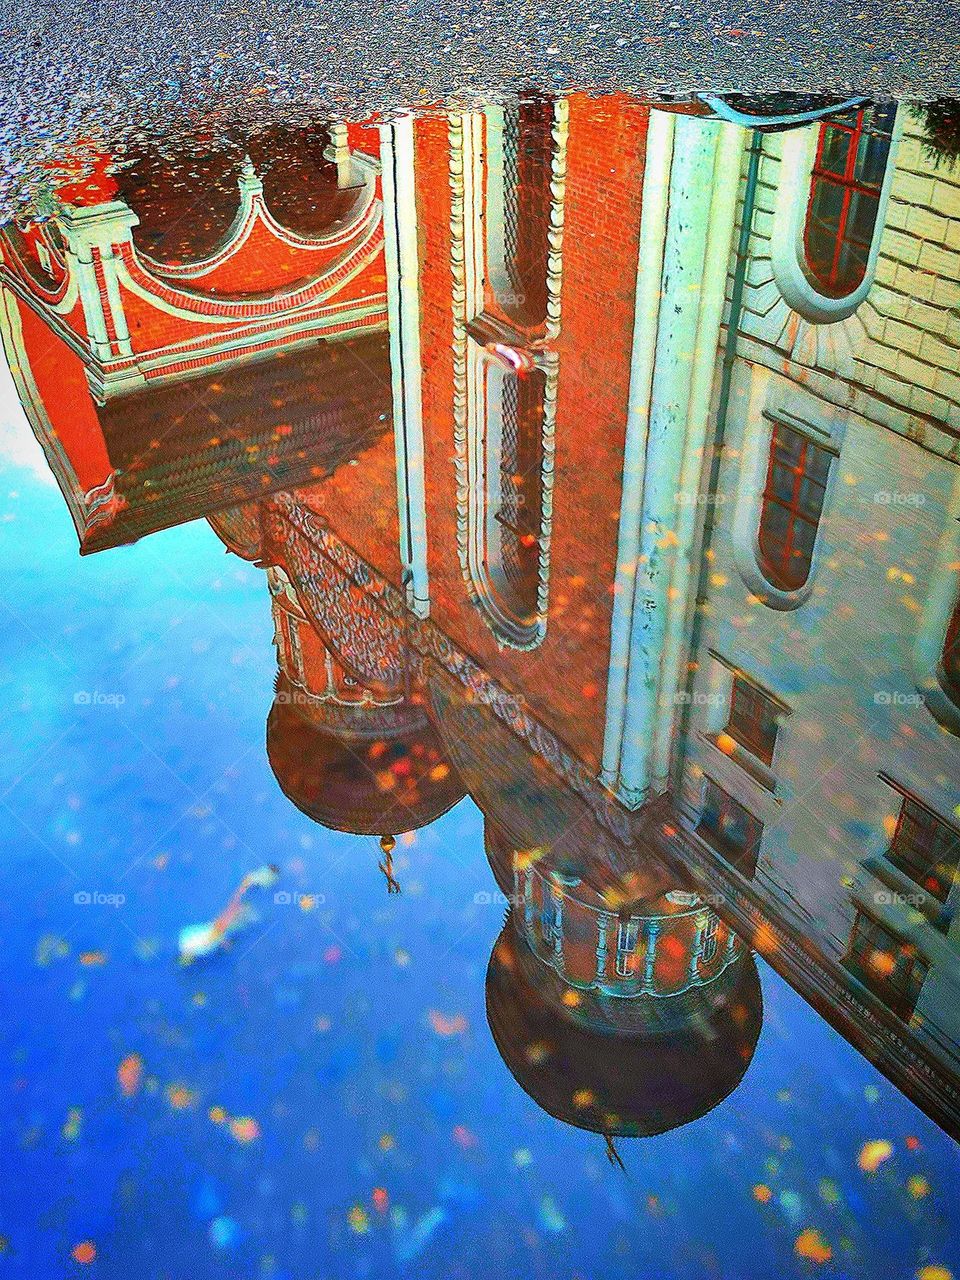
(951, 654)
(792, 505)
(846, 183)
(515, 513)
(507, 179)
(519, 198)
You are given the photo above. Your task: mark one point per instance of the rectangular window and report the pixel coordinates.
(925, 849)
(628, 934)
(754, 719)
(730, 829)
(890, 967)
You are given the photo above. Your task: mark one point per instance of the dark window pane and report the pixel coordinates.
(844, 199)
(790, 513)
(926, 850)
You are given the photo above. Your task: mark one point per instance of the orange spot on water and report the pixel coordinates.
(129, 1074)
(245, 1129)
(84, 1252)
(447, 1026)
(811, 1244)
(180, 1097)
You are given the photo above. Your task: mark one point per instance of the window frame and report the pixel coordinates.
(901, 1002)
(925, 816)
(776, 569)
(850, 183)
(745, 858)
(741, 687)
(797, 155)
(950, 655)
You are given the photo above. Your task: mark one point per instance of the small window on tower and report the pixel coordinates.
(792, 505)
(754, 719)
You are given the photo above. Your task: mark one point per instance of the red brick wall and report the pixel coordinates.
(564, 680)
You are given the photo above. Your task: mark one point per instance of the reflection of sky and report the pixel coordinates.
(318, 1023)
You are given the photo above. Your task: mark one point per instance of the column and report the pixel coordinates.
(403, 314)
(603, 926)
(696, 950)
(652, 934)
(688, 217)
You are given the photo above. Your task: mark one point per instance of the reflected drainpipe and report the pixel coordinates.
(723, 404)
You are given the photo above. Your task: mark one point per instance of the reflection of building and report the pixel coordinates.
(666, 480)
(131, 362)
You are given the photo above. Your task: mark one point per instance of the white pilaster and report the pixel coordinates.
(403, 312)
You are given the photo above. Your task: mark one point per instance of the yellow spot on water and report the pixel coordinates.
(873, 1153)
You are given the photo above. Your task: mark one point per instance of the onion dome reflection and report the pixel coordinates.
(609, 1066)
(355, 756)
(617, 996)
